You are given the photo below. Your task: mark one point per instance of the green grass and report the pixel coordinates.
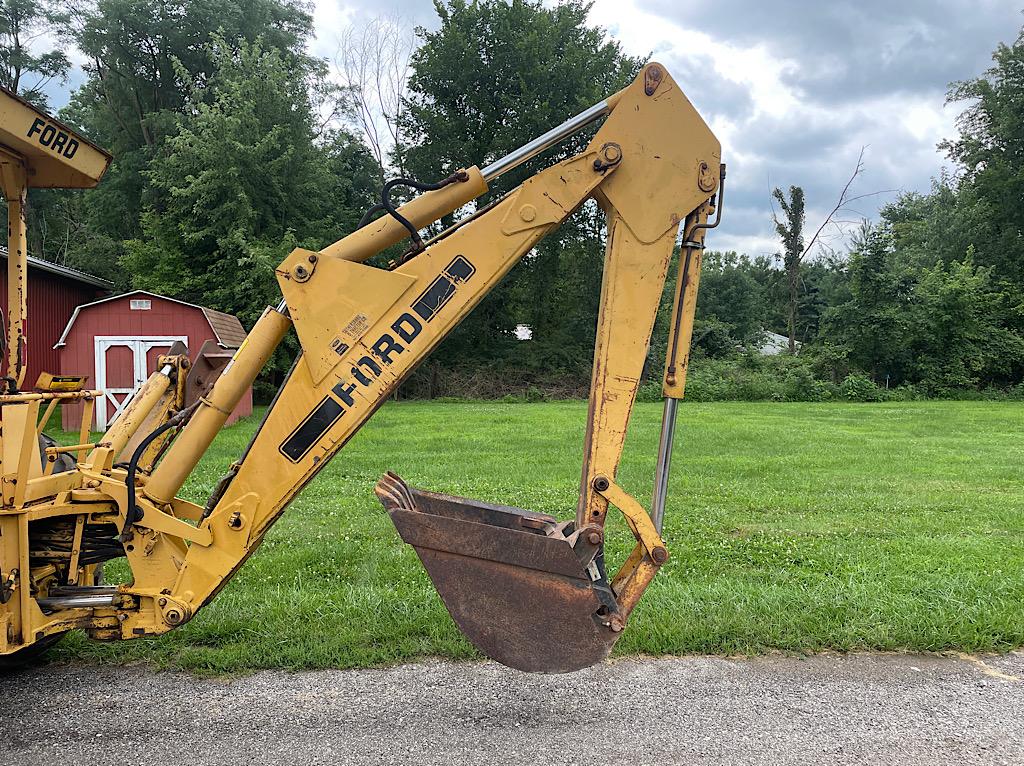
(795, 527)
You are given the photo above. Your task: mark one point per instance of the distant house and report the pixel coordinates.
(774, 344)
(117, 342)
(524, 332)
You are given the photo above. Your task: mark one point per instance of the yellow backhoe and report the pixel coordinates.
(529, 590)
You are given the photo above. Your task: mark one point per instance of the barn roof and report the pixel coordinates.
(63, 271)
(226, 328)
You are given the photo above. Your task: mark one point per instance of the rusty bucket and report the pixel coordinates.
(527, 590)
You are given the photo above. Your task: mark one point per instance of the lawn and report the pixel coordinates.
(797, 527)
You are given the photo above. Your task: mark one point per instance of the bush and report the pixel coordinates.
(650, 391)
(908, 392)
(860, 388)
(534, 394)
(802, 386)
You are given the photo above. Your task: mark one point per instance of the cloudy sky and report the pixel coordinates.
(793, 88)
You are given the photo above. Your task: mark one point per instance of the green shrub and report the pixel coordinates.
(705, 386)
(860, 388)
(650, 391)
(534, 394)
(802, 386)
(740, 377)
(907, 392)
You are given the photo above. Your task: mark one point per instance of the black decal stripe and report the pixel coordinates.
(442, 289)
(311, 429)
(460, 269)
(434, 297)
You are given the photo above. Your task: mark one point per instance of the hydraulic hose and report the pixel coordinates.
(387, 205)
(368, 215)
(133, 512)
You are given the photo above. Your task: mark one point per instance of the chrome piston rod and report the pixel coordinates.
(91, 601)
(528, 151)
(668, 430)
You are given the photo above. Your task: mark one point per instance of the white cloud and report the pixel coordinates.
(330, 19)
(669, 41)
(782, 132)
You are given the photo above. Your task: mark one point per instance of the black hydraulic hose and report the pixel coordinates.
(133, 513)
(412, 183)
(369, 214)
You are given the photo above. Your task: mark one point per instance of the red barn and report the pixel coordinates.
(53, 293)
(116, 341)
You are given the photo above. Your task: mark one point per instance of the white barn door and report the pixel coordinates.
(121, 368)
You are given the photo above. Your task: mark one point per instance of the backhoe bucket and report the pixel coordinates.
(527, 590)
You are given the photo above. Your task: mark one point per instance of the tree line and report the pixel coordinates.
(233, 145)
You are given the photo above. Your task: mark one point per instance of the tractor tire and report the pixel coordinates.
(24, 657)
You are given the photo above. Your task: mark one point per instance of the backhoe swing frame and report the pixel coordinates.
(652, 165)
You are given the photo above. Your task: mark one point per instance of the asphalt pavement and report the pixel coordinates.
(826, 709)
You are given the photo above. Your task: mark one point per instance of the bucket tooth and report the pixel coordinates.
(527, 590)
(394, 493)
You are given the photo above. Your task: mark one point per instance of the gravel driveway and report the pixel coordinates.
(858, 709)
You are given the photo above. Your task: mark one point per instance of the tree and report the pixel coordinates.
(730, 294)
(26, 68)
(824, 284)
(990, 153)
(874, 325)
(959, 333)
(489, 79)
(791, 231)
(373, 63)
(144, 59)
(932, 228)
(142, 54)
(23, 25)
(243, 181)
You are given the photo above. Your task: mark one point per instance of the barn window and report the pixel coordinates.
(140, 304)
